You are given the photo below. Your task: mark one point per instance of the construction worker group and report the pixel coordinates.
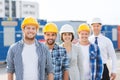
(85, 59)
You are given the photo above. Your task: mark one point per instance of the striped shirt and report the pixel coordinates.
(15, 64)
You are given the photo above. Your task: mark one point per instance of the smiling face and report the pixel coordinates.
(29, 32)
(96, 28)
(67, 37)
(50, 37)
(83, 36)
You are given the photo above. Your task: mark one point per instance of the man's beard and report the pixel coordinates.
(50, 42)
(31, 39)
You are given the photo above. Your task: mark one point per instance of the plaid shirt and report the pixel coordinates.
(95, 62)
(60, 61)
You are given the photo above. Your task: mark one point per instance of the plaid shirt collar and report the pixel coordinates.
(55, 46)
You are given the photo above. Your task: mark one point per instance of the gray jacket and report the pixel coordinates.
(15, 65)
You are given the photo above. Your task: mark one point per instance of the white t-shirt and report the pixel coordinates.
(30, 62)
(86, 61)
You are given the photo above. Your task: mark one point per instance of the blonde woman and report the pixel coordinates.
(73, 52)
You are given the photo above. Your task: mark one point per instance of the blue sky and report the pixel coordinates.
(55, 10)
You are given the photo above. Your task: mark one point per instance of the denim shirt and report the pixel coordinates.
(15, 64)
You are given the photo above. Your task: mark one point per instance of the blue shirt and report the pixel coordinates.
(95, 62)
(60, 61)
(15, 65)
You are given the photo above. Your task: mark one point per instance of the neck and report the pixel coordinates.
(96, 34)
(50, 46)
(84, 42)
(67, 44)
(29, 41)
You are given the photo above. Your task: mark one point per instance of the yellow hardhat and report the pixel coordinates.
(83, 27)
(29, 21)
(50, 27)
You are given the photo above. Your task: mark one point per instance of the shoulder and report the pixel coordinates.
(60, 50)
(39, 44)
(104, 37)
(106, 40)
(77, 44)
(91, 37)
(42, 46)
(76, 47)
(16, 45)
(56, 46)
(93, 47)
(14, 48)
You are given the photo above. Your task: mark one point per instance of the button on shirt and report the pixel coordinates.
(106, 49)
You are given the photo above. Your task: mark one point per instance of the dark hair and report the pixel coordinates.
(71, 39)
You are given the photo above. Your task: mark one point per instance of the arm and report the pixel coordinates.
(80, 63)
(66, 75)
(49, 66)
(112, 55)
(10, 64)
(65, 66)
(50, 76)
(10, 76)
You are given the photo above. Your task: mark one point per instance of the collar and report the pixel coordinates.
(21, 42)
(98, 35)
(55, 46)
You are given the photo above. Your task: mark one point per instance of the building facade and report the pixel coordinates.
(18, 8)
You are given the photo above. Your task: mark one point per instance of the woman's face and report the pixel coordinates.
(67, 36)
